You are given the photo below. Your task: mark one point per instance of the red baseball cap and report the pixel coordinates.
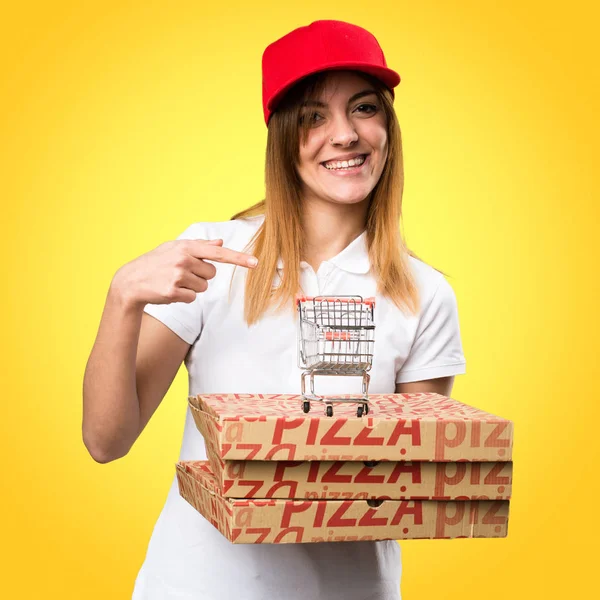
(320, 46)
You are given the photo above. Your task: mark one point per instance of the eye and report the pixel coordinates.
(368, 108)
(310, 117)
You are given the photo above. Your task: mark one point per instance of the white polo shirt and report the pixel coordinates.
(187, 558)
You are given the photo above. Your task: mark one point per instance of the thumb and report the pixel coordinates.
(218, 242)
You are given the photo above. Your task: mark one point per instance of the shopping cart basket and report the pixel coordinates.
(336, 336)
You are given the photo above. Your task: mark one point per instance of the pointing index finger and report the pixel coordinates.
(225, 255)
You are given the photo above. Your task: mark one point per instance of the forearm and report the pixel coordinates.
(111, 412)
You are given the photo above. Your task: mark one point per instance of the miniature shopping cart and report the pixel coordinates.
(336, 336)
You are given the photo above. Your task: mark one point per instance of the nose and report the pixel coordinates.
(342, 132)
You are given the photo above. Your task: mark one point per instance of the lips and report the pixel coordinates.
(348, 171)
(345, 158)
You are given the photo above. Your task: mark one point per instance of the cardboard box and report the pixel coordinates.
(354, 480)
(301, 521)
(399, 427)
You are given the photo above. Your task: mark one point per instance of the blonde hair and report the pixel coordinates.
(280, 235)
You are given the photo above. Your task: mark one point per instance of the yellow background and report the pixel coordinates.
(124, 122)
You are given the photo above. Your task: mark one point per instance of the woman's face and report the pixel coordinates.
(348, 122)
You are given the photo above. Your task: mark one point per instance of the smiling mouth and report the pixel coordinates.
(340, 167)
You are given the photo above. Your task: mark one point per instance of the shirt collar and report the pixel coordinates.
(354, 258)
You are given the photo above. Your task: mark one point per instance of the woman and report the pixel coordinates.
(328, 226)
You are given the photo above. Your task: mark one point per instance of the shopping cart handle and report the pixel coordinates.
(369, 301)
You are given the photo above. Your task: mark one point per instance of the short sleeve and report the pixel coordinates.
(437, 348)
(182, 318)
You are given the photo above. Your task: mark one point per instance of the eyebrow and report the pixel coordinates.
(355, 97)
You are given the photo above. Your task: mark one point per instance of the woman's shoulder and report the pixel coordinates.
(424, 273)
(430, 282)
(233, 232)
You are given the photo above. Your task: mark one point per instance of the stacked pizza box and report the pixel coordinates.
(416, 466)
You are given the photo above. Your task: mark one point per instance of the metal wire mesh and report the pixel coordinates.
(336, 334)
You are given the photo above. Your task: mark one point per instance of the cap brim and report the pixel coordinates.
(389, 77)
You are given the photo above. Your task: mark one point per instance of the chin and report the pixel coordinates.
(348, 199)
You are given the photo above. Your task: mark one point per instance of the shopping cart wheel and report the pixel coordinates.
(329, 411)
(306, 406)
(359, 411)
(366, 409)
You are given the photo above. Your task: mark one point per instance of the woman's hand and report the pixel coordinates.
(174, 271)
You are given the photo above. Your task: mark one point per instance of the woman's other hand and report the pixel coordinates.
(175, 271)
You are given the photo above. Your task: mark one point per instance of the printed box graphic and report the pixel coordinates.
(301, 521)
(417, 466)
(355, 480)
(399, 427)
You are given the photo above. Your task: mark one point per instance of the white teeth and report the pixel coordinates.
(345, 164)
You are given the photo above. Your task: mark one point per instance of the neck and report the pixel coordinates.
(329, 228)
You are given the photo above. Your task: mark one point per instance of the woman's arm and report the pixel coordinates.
(441, 385)
(130, 369)
(135, 356)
